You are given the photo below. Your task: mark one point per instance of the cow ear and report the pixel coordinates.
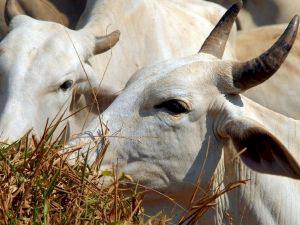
(259, 149)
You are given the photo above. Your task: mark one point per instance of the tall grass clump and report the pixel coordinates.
(39, 186)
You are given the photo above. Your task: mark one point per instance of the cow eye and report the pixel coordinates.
(173, 106)
(66, 85)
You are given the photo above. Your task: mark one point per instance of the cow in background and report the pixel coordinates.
(263, 12)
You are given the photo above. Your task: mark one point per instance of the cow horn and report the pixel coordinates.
(105, 43)
(12, 9)
(215, 43)
(248, 74)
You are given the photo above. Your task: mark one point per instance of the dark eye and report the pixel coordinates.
(173, 106)
(66, 85)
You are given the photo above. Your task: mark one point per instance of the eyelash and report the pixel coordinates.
(173, 106)
(66, 85)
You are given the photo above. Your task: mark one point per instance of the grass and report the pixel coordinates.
(39, 186)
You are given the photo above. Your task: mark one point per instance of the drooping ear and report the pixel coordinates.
(259, 149)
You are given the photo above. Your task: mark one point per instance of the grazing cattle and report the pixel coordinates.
(40, 63)
(40, 68)
(287, 104)
(267, 12)
(281, 92)
(65, 12)
(185, 118)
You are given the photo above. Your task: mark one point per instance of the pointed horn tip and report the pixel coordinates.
(295, 21)
(116, 34)
(238, 5)
(292, 27)
(215, 43)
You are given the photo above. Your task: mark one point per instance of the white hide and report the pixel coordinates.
(167, 152)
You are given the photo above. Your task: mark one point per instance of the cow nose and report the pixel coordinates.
(13, 130)
(13, 127)
(9, 135)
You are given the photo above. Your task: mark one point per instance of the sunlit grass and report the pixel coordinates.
(39, 186)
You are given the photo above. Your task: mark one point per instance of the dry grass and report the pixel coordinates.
(38, 186)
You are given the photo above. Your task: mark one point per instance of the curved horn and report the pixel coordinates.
(253, 72)
(215, 43)
(12, 9)
(105, 43)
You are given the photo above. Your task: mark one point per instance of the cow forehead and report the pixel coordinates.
(26, 25)
(31, 46)
(27, 35)
(186, 73)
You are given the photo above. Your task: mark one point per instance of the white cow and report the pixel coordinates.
(186, 115)
(66, 12)
(40, 67)
(263, 12)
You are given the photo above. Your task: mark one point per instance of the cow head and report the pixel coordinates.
(174, 118)
(41, 65)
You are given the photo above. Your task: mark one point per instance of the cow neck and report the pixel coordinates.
(100, 15)
(265, 199)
